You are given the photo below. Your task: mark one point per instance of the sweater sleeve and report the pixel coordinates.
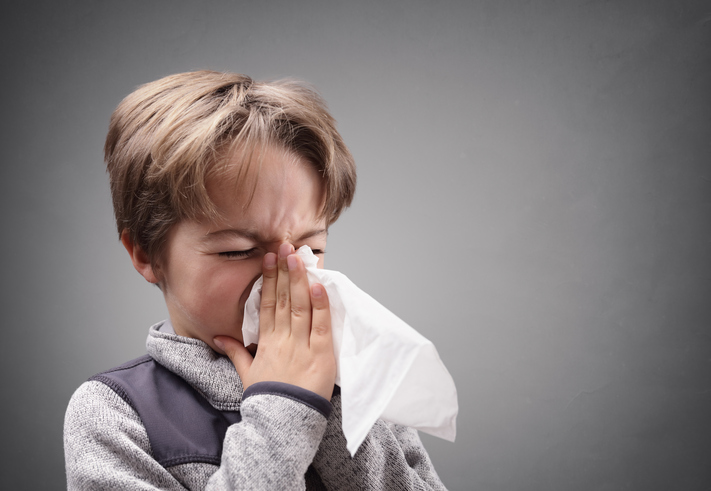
(106, 445)
(390, 457)
(272, 448)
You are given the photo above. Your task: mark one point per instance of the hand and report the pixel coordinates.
(295, 339)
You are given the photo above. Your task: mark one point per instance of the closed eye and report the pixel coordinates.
(238, 254)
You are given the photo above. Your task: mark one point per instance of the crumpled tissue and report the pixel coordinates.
(385, 368)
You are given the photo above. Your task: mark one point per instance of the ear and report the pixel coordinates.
(139, 258)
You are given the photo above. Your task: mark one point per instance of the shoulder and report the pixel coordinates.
(104, 396)
(95, 408)
(106, 445)
(98, 412)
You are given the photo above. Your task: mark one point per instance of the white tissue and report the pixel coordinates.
(385, 368)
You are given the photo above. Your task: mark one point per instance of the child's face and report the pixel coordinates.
(209, 268)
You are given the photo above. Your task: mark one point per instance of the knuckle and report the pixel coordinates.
(297, 311)
(268, 303)
(283, 300)
(319, 328)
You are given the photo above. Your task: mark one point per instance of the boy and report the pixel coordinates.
(216, 179)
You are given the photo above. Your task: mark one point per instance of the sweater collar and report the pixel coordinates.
(208, 372)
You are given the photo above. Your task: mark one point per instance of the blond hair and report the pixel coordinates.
(166, 138)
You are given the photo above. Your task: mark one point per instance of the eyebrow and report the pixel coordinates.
(248, 234)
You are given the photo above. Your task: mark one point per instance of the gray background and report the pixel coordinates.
(534, 196)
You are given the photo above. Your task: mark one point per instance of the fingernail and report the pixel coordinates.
(219, 343)
(284, 249)
(291, 262)
(317, 290)
(270, 260)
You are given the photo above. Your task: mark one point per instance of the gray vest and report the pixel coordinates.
(181, 424)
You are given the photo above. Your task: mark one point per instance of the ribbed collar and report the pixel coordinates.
(208, 372)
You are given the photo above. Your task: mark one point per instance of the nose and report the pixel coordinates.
(276, 248)
(285, 248)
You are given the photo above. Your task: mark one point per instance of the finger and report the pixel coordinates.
(237, 353)
(267, 306)
(282, 316)
(321, 334)
(300, 298)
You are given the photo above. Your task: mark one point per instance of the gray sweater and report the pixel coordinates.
(107, 447)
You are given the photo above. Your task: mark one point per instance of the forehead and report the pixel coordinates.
(271, 193)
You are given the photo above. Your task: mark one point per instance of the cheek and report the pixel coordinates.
(228, 283)
(216, 292)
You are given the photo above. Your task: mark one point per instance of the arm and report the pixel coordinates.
(391, 457)
(272, 448)
(106, 445)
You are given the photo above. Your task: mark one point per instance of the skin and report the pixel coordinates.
(208, 269)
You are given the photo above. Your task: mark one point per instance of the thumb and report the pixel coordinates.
(237, 353)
